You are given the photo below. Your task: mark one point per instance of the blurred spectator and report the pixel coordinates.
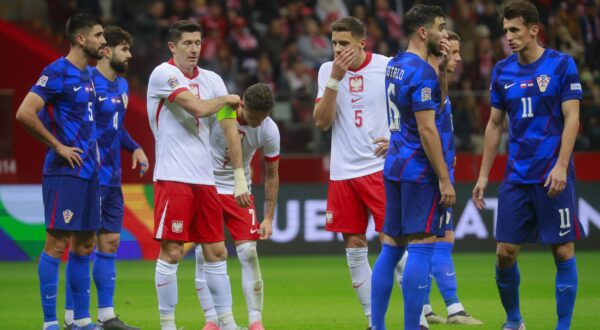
(226, 66)
(590, 32)
(150, 30)
(314, 47)
(243, 44)
(110, 12)
(330, 10)
(273, 44)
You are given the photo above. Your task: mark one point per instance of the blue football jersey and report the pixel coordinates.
(68, 93)
(532, 96)
(447, 136)
(111, 105)
(412, 85)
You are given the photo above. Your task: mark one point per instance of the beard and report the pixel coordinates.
(434, 48)
(95, 54)
(120, 67)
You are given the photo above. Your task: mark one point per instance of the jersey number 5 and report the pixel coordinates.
(393, 112)
(358, 119)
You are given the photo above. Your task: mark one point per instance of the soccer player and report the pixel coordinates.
(111, 106)
(187, 209)
(257, 131)
(540, 91)
(415, 171)
(65, 92)
(351, 99)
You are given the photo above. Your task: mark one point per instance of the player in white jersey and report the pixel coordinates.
(352, 99)
(187, 209)
(257, 131)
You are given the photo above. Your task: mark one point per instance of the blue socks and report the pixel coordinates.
(415, 282)
(48, 276)
(566, 290)
(508, 281)
(382, 282)
(443, 271)
(104, 277)
(78, 277)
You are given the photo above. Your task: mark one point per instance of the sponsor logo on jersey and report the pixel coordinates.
(42, 81)
(526, 83)
(329, 216)
(576, 87)
(177, 226)
(173, 82)
(543, 82)
(356, 84)
(425, 94)
(67, 216)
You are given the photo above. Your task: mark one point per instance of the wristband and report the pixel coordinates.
(226, 112)
(239, 179)
(333, 84)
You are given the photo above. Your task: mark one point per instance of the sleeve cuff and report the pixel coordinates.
(271, 159)
(176, 92)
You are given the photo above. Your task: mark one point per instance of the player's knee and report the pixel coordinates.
(355, 241)
(563, 252)
(56, 250)
(171, 252)
(506, 257)
(247, 252)
(214, 252)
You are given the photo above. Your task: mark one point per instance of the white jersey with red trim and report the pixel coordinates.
(182, 141)
(265, 136)
(361, 117)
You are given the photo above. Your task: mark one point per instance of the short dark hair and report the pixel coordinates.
(350, 24)
(177, 28)
(78, 23)
(421, 15)
(259, 97)
(115, 36)
(453, 36)
(520, 8)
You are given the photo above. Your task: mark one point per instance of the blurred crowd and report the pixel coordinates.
(283, 43)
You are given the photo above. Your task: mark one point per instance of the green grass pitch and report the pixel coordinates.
(316, 293)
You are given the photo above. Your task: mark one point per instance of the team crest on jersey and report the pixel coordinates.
(329, 216)
(42, 81)
(67, 216)
(543, 82)
(356, 84)
(425, 94)
(125, 99)
(177, 226)
(173, 82)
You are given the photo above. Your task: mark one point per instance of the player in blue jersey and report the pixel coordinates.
(415, 171)
(539, 90)
(65, 91)
(111, 105)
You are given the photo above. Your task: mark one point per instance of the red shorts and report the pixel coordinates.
(350, 201)
(187, 212)
(241, 222)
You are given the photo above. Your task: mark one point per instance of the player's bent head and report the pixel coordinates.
(177, 29)
(421, 16)
(80, 24)
(521, 23)
(350, 24)
(258, 104)
(117, 51)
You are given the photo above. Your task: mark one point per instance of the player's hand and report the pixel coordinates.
(243, 200)
(478, 191)
(233, 100)
(342, 62)
(447, 192)
(240, 188)
(556, 181)
(445, 50)
(71, 154)
(139, 157)
(266, 229)
(383, 145)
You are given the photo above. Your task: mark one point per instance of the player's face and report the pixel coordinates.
(344, 39)
(187, 49)
(435, 34)
(94, 42)
(454, 57)
(254, 118)
(519, 36)
(120, 56)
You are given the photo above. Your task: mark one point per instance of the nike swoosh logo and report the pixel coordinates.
(113, 278)
(162, 284)
(561, 234)
(357, 285)
(50, 297)
(450, 274)
(253, 231)
(562, 289)
(75, 89)
(257, 289)
(102, 98)
(422, 286)
(509, 86)
(356, 100)
(199, 289)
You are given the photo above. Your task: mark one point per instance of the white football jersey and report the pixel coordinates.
(265, 136)
(361, 117)
(182, 141)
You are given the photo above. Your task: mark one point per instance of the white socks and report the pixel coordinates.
(360, 273)
(204, 296)
(106, 313)
(220, 288)
(252, 283)
(165, 279)
(455, 308)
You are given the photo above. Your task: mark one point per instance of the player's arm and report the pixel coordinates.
(27, 116)
(430, 139)
(557, 179)
(325, 108)
(271, 192)
(228, 123)
(137, 153)
(204, 108)
(491, 141)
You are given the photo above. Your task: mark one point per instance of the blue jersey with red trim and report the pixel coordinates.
(111, 106)
(412, 85)
(532, 96)
(69, 96)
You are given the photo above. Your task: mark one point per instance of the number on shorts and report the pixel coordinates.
(565, 218)
(251, 211)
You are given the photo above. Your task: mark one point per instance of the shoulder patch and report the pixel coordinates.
(173, 82)
(425, 94)
(42, 81)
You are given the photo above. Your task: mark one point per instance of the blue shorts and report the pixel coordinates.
(413, 208)
(527, 214)
(71, 203)
(112, 209)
